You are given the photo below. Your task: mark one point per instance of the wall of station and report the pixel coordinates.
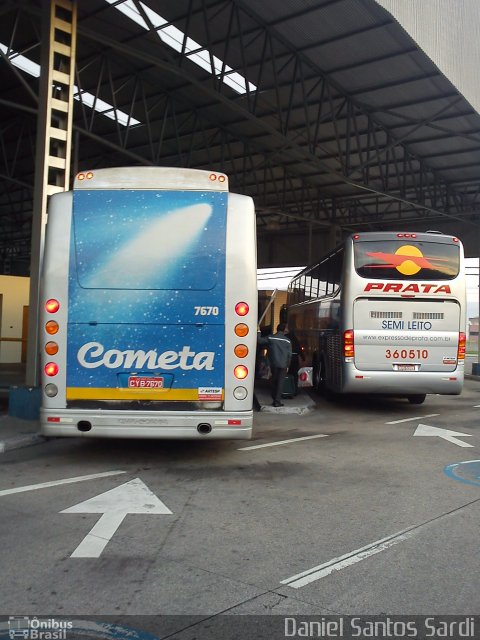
(447, 30)
(14, 294)
(295, 247)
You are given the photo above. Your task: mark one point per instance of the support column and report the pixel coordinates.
(53, 150)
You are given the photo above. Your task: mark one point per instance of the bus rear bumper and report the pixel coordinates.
(403, 383)
(144, 425)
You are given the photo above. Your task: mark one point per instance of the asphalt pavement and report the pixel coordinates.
(16, 433)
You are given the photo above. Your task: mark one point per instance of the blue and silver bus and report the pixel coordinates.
(149, 298)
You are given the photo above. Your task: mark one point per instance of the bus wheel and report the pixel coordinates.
(316, 376)
(417, 398)
(321, 381)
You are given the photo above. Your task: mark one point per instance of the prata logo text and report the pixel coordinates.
(93, 354)
(401, 287)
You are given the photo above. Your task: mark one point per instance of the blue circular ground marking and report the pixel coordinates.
(467, 472)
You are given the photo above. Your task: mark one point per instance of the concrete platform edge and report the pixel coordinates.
(299, 405)
(19, 442)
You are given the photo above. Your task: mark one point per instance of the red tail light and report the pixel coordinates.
(52, 305)
(462, 342)
(348, 346)
(241, 308)
(240, 372)
(51, 369)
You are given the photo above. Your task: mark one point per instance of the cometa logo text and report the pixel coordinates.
(93, 354)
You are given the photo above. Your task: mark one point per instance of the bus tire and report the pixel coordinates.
(321, 381)
(316, 375)
(418, 398)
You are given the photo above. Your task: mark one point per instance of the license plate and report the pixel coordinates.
(405, 367)
(138, 382)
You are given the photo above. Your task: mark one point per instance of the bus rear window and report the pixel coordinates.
(146, 239)
(406, 260)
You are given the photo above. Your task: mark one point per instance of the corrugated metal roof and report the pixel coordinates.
(349, 122)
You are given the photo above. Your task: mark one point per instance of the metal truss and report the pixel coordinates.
(306, 150)
(318, 135)
(17, 154)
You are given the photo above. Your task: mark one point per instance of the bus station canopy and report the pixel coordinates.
(326, 112)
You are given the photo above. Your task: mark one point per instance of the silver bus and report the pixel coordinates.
(384, 313)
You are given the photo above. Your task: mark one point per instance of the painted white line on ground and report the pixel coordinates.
(476, 406)
(337, 564)
(430, 415)
(54, 483)
(274, 444)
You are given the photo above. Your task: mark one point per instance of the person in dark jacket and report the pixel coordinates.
(279, 354)
(296, 355)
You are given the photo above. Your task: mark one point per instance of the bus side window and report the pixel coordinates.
(335, 271)
(322, 284)
(302, 288)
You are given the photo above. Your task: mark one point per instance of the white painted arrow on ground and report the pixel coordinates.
(446, 434)
(131, 497)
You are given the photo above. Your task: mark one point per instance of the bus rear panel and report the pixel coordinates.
(148, 272)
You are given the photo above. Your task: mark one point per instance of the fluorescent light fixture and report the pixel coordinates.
(177, 40)
(106, 109)
(21, 62)
(279, 278)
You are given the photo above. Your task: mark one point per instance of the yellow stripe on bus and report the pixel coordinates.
(87, 393)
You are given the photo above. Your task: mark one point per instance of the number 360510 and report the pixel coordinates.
(407, 354)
